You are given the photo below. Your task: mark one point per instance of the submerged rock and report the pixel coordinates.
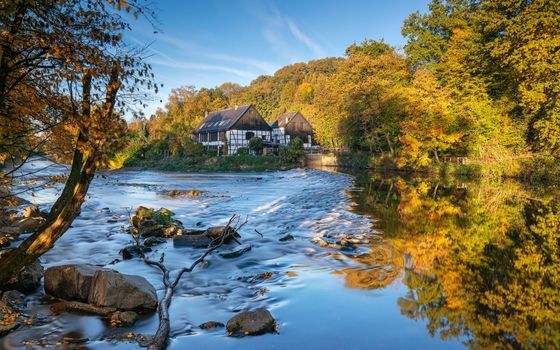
(237, 252)
(192, 240)
(255, 322)
(27, 280)
(346, 242)
(9, 319)
(185, 193)
(124, 318)
(203, 238)
(211, 324)
(151, 241)
(287, 237)
(77, 306)
(70, 282)
(130, 252)
(126, 292)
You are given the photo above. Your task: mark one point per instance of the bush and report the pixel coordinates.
(256, 145)
(193, 148)
(293, 153)
(242, 151)
(132, 151)
(212, 153)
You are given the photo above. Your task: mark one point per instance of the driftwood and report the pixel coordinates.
(159, 340)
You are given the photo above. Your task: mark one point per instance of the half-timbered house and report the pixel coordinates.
(291, 125)
(228, 130)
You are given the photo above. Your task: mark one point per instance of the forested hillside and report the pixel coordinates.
(476, 79)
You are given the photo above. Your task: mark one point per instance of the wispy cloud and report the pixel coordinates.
(202, 66)
(306, 40)
(280, 31)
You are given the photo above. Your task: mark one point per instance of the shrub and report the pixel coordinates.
(256, 145)
(193, 148)
(242, 151)
(293, 153)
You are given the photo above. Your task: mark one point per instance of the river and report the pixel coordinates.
(454, 264)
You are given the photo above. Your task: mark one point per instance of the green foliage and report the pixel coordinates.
(162, 216)
(242, 151)
(369, 47)
(238, 163)
(293, 153)
(256, 145)
(478, 80)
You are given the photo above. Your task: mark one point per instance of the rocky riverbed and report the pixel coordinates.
(301, 244)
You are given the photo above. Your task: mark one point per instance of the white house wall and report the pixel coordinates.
(237, 138)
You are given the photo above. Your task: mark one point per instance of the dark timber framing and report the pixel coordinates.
(228, 130)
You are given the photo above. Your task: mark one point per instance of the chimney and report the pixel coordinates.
(236, 106)
(205, 114)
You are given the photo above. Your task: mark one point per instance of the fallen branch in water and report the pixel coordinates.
(159, 340)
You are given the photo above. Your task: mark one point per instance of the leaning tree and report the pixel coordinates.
(65, 68)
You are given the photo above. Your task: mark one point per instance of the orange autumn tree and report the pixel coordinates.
(65, 63)
(430, 126)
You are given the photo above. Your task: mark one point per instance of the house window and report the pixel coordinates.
(213, 136)
(249, 135)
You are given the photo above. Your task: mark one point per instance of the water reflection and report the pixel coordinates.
(481, 260)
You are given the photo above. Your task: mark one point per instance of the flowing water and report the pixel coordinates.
(436, 275)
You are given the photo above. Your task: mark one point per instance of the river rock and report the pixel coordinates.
(184, 193)
(78, 306)
(192, 240)
(202, 238)
(124, 318)
(9, 319)
(125, 292)
(130, 252)
(151, 241)
(27, 280)
(4, 240)
(159, 223)
(286, 238)
(32, 211)
(70, 282)
(30, 224)
(255, 322)
(237, 252)
(211, 324)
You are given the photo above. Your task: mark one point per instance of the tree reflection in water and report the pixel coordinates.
(481, 260)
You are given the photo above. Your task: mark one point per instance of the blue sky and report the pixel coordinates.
(208, 42)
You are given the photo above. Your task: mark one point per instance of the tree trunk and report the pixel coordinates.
(390, 145)
(65, 210)
(67, 206)
(436, 155)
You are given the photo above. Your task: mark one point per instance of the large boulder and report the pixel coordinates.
(27, 280)
(254, 322)
(126, 292)
(70, 282)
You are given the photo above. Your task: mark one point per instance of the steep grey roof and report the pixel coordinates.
(221, 120)
(283, 120)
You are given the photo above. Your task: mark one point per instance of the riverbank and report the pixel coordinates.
(530, 169)
(202, 164)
